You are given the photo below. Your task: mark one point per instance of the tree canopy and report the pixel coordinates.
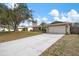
(13, 17)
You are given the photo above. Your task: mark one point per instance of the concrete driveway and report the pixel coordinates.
(30, 46)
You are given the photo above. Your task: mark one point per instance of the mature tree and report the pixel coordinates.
(13, 17)
(3, 15)
(20, 13)
(17, 14)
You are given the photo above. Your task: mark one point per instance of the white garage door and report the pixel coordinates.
(57, 29)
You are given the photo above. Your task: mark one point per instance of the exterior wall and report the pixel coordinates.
(5, 29)
(20, 29)
(30, 29)
(57, 29)
(74, 30)
(47, 29)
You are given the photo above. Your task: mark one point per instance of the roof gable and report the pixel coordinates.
(56, 22)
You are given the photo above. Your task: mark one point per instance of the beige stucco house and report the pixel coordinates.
(59, 28)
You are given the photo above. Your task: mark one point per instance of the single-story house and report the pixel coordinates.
(5, 28)
(28, 28)
(62, 28)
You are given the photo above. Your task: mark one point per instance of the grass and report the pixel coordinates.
(8, 36)
(66, 46)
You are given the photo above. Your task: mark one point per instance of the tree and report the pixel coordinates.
(20, 13)
(3, 15)
(43, 26)
(17, 14)
(13, 17)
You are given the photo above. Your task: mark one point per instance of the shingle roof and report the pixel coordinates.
(55, 22)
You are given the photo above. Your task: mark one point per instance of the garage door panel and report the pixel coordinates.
(57, 29)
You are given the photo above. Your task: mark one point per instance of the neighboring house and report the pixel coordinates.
(62, 28)
(4, 28)
(75, 28)
(23, 27)
(31, 27)
(1, 29)
(28, 28)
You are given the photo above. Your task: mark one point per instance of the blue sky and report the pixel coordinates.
(50, 12)
(43, 9)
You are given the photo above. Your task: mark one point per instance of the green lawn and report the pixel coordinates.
(66, 46)
(8, 36)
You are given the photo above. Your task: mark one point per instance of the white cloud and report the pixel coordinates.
(56, 19)
(38, 20)
(72, 13)
(54, 12)
(41, 19)
(71, 16)
(45, 19)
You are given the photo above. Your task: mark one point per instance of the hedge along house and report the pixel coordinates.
(59, 28)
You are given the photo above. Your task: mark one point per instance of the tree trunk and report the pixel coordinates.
(8, 28)
(15, 28)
